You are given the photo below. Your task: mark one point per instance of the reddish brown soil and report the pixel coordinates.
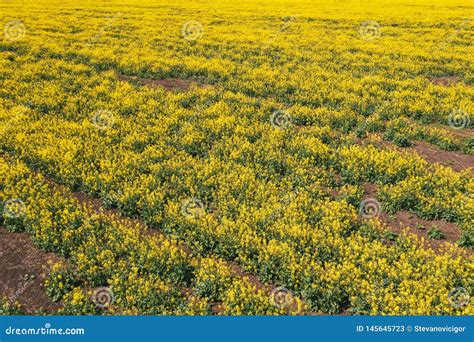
(253, 279)
(22, 271)
(455, 160)
(454, 133)
(462, 133)
(405, 219)
(445, 81)
(419, 227)
(187, 292)
(370, 190)
(217, 308)
(432, 154)
(169, 84)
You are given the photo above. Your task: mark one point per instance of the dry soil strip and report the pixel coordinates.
(169, 84)
(22, 272)
(403, 219)
(455, 160)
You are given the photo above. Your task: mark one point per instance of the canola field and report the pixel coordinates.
(265, 157)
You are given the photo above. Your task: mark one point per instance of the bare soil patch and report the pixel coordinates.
(370, 190)
(169, 84)
(217, 308)
(462, 133)
(404, 219)
(253, 279)
(445, 81)
(22, 272)
(455, 160)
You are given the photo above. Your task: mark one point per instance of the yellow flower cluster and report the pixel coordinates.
(145, 274)
(329, 264)
(258, 151)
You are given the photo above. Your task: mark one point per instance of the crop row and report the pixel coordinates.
(138, 273)
(140, 130)
(244, 168)
(371, 86)
(308, 243)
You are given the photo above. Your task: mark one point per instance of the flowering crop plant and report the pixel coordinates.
(268, 157)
